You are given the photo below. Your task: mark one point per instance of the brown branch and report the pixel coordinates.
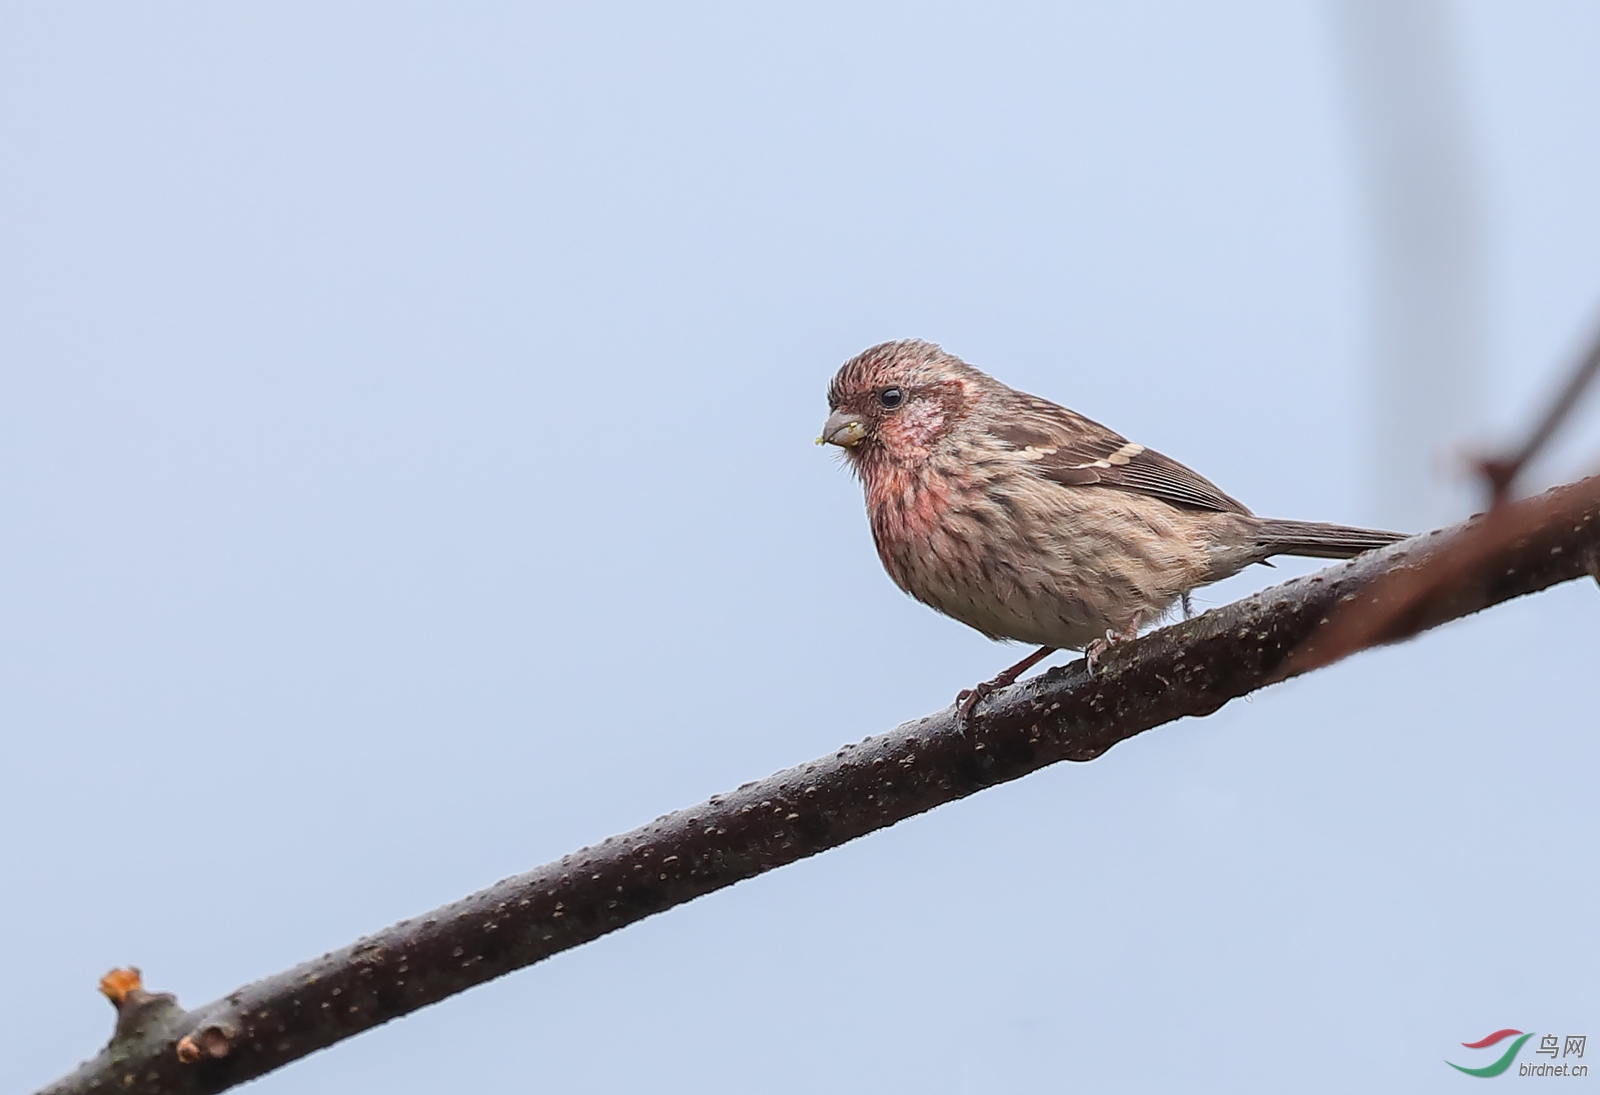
(1402, 603)
(1502, 471)
(1448, 571)
(1191, 668)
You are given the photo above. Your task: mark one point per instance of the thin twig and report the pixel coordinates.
(1501, 472)
(1399, 604)
(1191, 668)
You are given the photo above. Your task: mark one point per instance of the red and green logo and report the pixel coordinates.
(1499, 1066)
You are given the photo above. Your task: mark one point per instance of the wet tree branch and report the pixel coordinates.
(1189, 669)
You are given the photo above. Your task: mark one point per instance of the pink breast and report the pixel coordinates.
(907, 509)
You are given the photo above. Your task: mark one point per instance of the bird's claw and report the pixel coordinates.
(967, 700)
(1096, 650)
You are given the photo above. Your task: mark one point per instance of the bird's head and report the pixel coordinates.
(896, 402)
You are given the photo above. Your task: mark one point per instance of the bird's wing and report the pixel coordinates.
(1074, 451)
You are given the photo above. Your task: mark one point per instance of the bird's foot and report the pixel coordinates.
(1096, 650)
(968, 698)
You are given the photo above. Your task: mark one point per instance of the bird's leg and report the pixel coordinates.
(969, 697)
(1095, 650)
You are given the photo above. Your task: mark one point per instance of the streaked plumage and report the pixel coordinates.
(1028, 521)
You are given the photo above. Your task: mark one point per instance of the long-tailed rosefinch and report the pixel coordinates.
(1029, 522)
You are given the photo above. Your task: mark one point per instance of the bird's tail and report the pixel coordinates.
(1318, 540)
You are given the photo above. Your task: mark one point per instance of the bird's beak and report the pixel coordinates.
(843, 429)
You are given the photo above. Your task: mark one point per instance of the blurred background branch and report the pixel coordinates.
(1502, 471)
(1426, 297)
(1407, 600)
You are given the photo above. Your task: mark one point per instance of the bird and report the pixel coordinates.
(1029, 522)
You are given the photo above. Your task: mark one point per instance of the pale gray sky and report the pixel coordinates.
(406, 477)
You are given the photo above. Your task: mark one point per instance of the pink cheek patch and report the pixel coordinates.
(916, 428)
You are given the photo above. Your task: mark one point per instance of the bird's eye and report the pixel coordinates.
(891, 397)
